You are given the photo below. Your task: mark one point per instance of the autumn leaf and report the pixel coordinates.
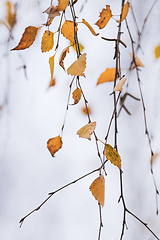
(52, 12)
(11, 14)
(62, 4)
(54, 144)
(157, 51)
(112, 155)
(74, 47)
(84, 110)
(68, 30)
(105, 16)
(52, 82)
(51, 63)
(124, 12)
(137, 60)
(62, 56)
(0, 107)
(77, 93)
(98, 189)
(90, 28)
(87, 130)
(154, 157)
(77, 68)
(107, 76)
(27, 39)
(119, 85)
(47, 41)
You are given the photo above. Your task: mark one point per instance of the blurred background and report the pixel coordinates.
(31, 113)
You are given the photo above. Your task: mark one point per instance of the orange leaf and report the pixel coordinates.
(77, 68)
(125, 11)
(11, 14)
(137, 60)
(52, 82)
(107, 76)
(105, 16)
(154, 157)
(27, 39)
(112, 155)
(62, 4)
(98, 189)
(47, 41)
(87, 130)
(157, 51)
(68, 30)
(51, 63)
(84, 110)
(119, 85)
(52, 12)
(54, 144)
(62, 56)
(90, 28)
(77, 95)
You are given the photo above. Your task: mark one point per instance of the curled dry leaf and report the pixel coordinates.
(105, 16)
(98, 189)
(107, 76)
(47, 41)
(52, 12)
(87, 130)
(77, 95)
(62, 4)
(90, 28)
(77, 68)
(54, 144)
(51, 63)
(125, 11)
(27, 39)
(86, 111)
(157, 51)
(137, 60)
(119, 85)
(68, 30)
(62, 56)
(112, 155)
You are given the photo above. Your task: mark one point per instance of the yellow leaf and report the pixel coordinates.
(154, 158)
(47, 41)
(51, 63)
(112, 155)
(11, 14)
(68, 30)
(87, 130)
(86, 111)
(137, 60)
(77, 95)
(27, 39)
(98, 189)
(125, 11)
(105, 16)
(62, 56)
(119, 85)
(52, 12)
(74, 47)
(62, 4)
(54, 144)
(52, 82)
(77, 68)
(157, 51)
(90, 28)
(107, 76)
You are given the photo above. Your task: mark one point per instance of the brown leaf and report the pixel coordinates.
(52, 12)
(62, 4)
(87, 130)
(112, 155)
(119, 85)
(62, 56)
(11, 14)
(77, 68)
(105, 16)
(154, 157)
(68, 30)
(27, 39)
(98, 189)
(47, 41)
(84, 110)
(107, 76)
(125, 11)
(77, 95)
(52, 82)
(54, 144)
(137, 60)
(90, 28)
